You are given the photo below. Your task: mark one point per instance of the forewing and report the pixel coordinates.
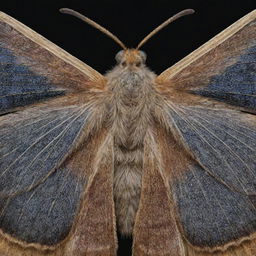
(33, 69)
(223, 69)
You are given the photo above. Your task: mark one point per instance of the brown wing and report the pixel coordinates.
(211, 142)
(94, 231)
(155, 231)
(51, 137)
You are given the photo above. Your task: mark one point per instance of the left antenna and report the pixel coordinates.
(93, 24)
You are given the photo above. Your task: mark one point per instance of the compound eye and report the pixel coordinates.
(138, 64)
(119, 56)
(143, 56)
(124, 64)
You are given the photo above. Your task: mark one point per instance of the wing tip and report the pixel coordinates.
(3, 15)
(94, 75)
(251, 15)
(206, 47)
(254, 11)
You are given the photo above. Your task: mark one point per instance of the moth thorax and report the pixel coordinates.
(132, 116)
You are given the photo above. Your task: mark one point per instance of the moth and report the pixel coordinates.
(169, 159)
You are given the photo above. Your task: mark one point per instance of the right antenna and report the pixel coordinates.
(167, 22)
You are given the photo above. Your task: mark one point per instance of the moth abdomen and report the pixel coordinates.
(127, 186)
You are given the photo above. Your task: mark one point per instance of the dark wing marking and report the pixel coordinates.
(20, 86)
(211, 214)
(237, 84)
(215, 193)
(214, 181)
(32, 148)
(39, 191)
(45, 214)
(46, 153)
(33, 69)
(222, 141)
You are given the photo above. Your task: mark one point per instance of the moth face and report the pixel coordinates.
(131, 59)
(130, 74)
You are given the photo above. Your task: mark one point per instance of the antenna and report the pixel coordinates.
(167, 22)
(93, 24)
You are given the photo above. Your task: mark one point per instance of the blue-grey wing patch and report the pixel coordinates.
(211, 214)
(236, 85)
(33, 143)
(39, 191)
(44, 214)
(222, 141)
(19, 86)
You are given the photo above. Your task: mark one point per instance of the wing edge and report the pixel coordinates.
(206, 47)
(53, 48)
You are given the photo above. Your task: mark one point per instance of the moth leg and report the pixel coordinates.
(94, 232)
(155, 231)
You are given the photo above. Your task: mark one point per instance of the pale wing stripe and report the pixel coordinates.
(58, 138)
(28, 93)
(29, 117)
(249, 170)
(231, 125)
(21, 142)
(219, 153)
(33, 130)
(78, 134)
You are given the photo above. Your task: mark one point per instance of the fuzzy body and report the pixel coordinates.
(130, 114)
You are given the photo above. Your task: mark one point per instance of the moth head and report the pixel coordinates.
(131, 58)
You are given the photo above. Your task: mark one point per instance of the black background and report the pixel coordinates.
(130, 21)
